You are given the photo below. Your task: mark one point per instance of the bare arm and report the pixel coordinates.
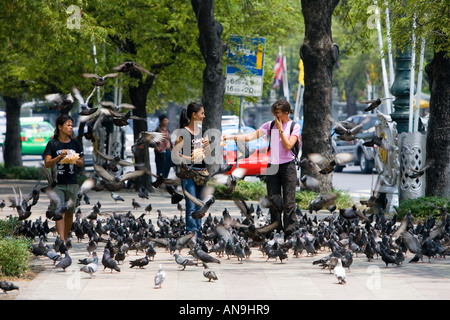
(244, 137)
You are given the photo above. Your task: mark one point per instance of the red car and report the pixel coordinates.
(256, 163)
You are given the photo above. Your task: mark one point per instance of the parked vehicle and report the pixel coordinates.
(255, 164)
(35, 134)
(362, 155)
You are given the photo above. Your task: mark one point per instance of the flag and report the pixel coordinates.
(301, 74)
(278, 71)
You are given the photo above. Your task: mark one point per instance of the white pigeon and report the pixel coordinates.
(160, 276)
(339, 272)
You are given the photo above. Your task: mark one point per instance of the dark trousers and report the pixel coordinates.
(283, 183)
(163, 162)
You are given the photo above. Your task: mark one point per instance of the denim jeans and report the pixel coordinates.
(284, 182)
(197, 191)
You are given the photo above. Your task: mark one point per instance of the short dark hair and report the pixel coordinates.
(162, 117)
(282, 105)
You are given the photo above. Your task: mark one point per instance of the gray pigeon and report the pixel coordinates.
(109, 262)
(184, 261)
(54, 256)
(7, 286)
(116, 197)
(92, 267)
(209, 274)
(65, 262)
(198, 253)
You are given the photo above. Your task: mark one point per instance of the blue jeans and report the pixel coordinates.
(196, 191)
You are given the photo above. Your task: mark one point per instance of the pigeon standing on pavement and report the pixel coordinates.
(209, 274)
(109, 262)
(92, 267)
(160, 276)
(135, 204)
(65, 262)
(183, 262)
(116, 197)
(339, 272)
(7, 286)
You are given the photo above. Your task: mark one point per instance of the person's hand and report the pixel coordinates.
(197, 155)
(63, 153)
(278, 124)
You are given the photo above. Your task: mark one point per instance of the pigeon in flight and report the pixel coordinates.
(374, 103)
(99, 81)
(129, 65)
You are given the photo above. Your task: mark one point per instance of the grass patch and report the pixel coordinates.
(420, 207)
(254, 191)
(9, 227)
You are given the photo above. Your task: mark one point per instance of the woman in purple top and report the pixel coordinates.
(281, 173)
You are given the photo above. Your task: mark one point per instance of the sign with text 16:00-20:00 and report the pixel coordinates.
(245, 67)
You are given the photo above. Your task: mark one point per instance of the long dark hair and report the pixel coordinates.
(187, 112)
(60, 120)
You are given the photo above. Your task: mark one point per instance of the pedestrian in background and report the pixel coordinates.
(67, 154)
(281, 173)
(192, 146)
(163, 149)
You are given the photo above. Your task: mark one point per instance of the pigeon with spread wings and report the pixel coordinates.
(203, 206)
(327, 165)
(99, 81)
(130, 65)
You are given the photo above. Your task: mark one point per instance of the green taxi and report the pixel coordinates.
(35, 134)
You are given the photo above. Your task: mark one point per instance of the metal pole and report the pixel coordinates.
(419, 86)
(411, 83)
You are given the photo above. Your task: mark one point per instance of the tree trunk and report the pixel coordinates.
(319, 54)
(138, 97)
(212, 48)
(12, 147)
(438, 138)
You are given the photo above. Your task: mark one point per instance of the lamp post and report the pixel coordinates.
(400, 89)
(412, 145)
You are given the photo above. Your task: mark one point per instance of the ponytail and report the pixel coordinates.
(187, 112)
(184, 120)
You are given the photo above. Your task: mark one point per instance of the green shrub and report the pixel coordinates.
(20, 173)
(304, 197)
(254, 191)
(250, 191)
(9, 226)
(420, 207)
(14, 256)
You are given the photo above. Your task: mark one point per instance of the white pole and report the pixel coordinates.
(419, 87)
(285, 80)
(390, 58)
(411, 79)
(383, 65)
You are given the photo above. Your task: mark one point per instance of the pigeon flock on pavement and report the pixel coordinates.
(112, 238)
